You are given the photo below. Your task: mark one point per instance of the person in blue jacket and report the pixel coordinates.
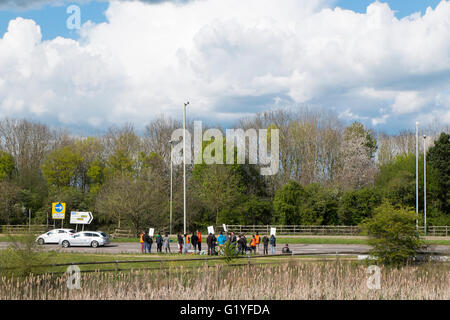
(221, 239)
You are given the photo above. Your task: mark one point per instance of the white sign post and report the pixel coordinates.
(273, 231)
(151, 232)
(81, 217)
(224, 227)
(211, 229)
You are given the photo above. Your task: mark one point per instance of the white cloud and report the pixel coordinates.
(149, 59)
(408, 102)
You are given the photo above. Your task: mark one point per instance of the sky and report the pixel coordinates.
(383, 63)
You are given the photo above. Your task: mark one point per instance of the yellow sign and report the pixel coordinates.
(58, 210)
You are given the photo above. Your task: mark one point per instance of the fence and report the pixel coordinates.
(21, 228)
(320, 230)
(246, 229)
(122, 233)
(296, 229)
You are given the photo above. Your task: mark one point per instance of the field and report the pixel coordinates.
(287, 280)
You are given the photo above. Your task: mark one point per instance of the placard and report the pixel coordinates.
(273, 231)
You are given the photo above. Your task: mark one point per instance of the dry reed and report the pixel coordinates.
(324, 280)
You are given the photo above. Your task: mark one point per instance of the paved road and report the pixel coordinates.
(134, 247)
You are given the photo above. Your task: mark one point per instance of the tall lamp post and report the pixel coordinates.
(425, 185)
(184, 164)
(171, 183)
(417, 177)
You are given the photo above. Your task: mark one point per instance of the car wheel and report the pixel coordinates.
(94, 244)
(65, 244)
(41, 241)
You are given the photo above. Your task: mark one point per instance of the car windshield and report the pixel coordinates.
(72, 231)
(104, 234)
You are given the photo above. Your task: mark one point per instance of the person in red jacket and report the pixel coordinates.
(199, 241)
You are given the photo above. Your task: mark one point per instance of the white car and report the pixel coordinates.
(53, 236)
(85, 238)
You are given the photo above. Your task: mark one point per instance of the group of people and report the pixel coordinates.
(188, 243)
(162, 243)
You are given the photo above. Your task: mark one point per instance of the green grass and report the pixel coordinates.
(161, 261)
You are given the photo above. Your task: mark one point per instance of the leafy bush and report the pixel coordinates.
(23, 256)
(393, 235)
(229, 251)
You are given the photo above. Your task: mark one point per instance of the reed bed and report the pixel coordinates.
(323, 280)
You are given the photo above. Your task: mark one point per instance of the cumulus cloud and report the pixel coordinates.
(230, 58)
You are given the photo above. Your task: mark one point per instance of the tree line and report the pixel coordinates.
(329, 174)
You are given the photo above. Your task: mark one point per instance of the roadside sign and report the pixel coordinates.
(210, 229)
(273, 231)
(81, 217)
(224, 227)
(58, 210)
(151, 232)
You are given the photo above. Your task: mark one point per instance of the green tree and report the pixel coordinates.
(217, 187)
(60, 167)
(393, 235)
(6, 165)
(287, 203)
(320, 206)
(439, 159)
(357, 205)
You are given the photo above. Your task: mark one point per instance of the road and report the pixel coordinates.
(134, 247)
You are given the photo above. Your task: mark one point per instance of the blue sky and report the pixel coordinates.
(52, 18)
(229, 61)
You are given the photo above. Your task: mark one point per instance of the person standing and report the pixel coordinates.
(159, 242)
(253, 244)
(186, 244)
(166, 243)
(199, 236)
(194, 241)
(213, 245)
(242, 244)
(233, 239)
(180, 243)
(146, 239)
(209, 243)
(273, 243)
(150, 243)
(141, 241)
(221, 239)
(265, 242)
(258, 239)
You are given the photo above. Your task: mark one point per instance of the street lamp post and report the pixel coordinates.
(425, 185)
(184, 164)
(171, 183)
(417, 177)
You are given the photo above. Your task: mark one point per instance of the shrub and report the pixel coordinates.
(23, 256)
(393, 235)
